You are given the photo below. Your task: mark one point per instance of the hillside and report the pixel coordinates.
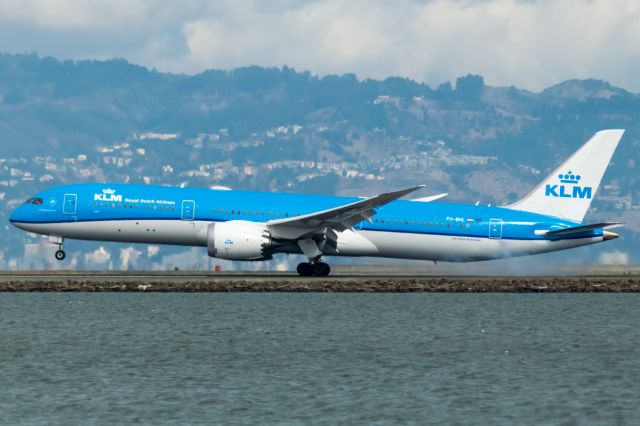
(282, 130)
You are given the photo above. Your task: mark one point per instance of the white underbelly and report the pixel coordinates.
(458, 248)
(178, 232)
(361, 243)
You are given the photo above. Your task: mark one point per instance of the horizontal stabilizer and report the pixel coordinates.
(583, 228)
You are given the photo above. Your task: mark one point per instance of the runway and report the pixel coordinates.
(251, 282)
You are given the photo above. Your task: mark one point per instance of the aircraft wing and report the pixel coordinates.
(338, 218)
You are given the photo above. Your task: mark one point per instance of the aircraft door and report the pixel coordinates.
(495, 228)
(70, 203)
(188, 210)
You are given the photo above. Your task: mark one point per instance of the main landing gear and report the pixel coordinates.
(315, 267)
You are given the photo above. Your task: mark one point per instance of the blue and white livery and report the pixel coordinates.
(242, 225)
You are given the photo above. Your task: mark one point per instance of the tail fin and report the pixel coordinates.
(567, 192)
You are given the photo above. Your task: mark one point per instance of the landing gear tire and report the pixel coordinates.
(305, 269)
(321, 269)
(60, 255)
(318, 269)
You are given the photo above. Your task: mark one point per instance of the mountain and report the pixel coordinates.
(282, 130)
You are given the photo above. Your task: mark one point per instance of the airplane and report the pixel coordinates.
(243, 225)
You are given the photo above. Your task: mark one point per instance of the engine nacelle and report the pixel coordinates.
(238, 240)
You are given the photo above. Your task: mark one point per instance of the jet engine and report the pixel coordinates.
(238, 240)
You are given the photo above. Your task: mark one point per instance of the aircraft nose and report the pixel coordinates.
(17, 216)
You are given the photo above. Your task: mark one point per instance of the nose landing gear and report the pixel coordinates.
(315, 267)
(60, 254)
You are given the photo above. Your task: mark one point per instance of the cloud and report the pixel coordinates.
(152, 251)
(74, 15)
(616, 258)
(129, 257)
(99, 256)
(531, 44)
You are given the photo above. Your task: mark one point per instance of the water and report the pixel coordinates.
(319, 359)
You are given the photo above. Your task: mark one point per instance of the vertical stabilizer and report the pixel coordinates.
(567, 192)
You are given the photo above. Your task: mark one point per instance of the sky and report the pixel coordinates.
(526, 43)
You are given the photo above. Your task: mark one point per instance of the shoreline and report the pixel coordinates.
(206, 283)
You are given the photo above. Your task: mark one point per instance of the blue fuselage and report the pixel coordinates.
(109, 202)
(185, 216)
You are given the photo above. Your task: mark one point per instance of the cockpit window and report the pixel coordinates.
(34, 200)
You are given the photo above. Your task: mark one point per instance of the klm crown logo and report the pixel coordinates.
(571, 190)
(108, 194)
